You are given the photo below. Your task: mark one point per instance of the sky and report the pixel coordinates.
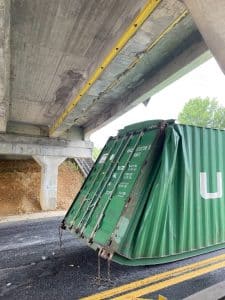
(205, 81)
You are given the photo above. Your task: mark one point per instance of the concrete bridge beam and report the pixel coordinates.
(49, 180)
(13, 144)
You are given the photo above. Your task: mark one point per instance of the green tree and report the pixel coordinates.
(95, 153)
(204, 112)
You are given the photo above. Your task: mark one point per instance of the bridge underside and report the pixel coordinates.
(51, 50)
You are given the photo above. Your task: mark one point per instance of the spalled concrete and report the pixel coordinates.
(49, 180)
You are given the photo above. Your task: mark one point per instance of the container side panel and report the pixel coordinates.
(185, 210)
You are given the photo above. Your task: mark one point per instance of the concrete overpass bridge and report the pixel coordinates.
(68, 67)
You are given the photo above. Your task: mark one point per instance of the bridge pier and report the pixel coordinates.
(49, 154)
(49, 180)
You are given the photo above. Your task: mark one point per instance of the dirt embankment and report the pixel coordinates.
(20, 186)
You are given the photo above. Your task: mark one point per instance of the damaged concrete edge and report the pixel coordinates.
(137, 58)
(190, 59)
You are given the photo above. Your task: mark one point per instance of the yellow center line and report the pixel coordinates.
(170, 282)
(142, 282)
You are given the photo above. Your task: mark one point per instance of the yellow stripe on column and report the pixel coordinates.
(127, 35)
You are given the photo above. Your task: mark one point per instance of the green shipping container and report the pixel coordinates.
(155, 195)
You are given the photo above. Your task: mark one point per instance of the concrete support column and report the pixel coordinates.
(49, 180)
(4, 62)
(209, 16)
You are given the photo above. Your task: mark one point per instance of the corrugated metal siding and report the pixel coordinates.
(162, 216)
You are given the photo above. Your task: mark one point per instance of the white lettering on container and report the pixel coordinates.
(204, 190)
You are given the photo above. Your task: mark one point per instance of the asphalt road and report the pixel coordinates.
(33, 267)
